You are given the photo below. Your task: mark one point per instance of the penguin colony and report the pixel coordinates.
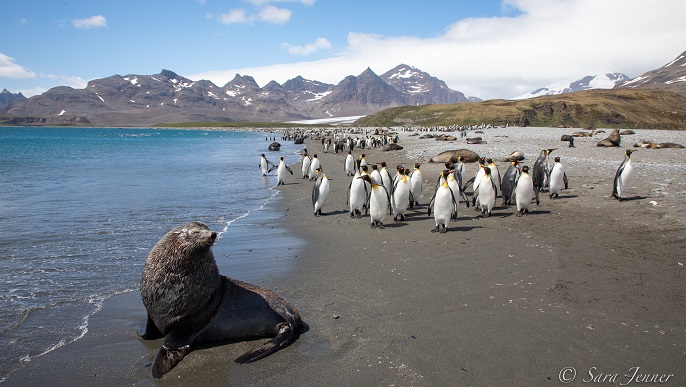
(381, 195)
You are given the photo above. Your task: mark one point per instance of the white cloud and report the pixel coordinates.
(97, 21)
(275, 15)
(263, 2)
(543, 42)
(235, 16)
(309, 48)
(9, 69)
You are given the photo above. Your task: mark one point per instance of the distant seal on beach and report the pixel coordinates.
(190, 303)
(612, 140)
(452, 155)
(515, 156)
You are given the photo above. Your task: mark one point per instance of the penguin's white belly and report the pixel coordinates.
(624, 179)
(486, 195)
(556, 180)
(401, 198)
(378, 205)
(524, 192)
(443, 206)
(357, 195)
(323, 193)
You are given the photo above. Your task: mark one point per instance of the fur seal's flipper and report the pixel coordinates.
(150, 332)
(285, 336)
(167, 358)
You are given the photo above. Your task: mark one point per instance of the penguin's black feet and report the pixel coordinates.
(380, 225)
(435, 229)
(519, 214)
(444, 229)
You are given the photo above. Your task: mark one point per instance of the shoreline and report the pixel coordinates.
(584, 281)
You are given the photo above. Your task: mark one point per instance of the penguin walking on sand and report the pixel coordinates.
(487, 190)
(507, 185)
(558, 179)
(477, 180)
(314, 165)
(416, 184)
(460, 171)
(495, 175)
(401, 197)
(386, 178)
(281, 172)
(378, 202)
(265, 165)
(320, 191)
(358, 194)
(623, 176)
(541, 172)
(525, 191)
(306, 165)
(443, 203)
(349, 165)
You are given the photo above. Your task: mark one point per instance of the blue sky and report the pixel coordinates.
(485, 48)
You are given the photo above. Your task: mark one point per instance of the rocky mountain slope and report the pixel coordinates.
(166, 97)
(589, 82)
(6, 98)
(671, 76)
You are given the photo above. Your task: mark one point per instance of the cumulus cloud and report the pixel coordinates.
(275, 15)
(309, 48)
(97, 21)
(235, 16)
(9, 69)
(263, 2)
(536, 43)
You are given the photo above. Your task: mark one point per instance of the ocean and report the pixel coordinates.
(80, 209)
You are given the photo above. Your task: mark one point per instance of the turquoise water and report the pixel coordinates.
(80, 208)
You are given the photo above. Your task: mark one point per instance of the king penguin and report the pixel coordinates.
(349, 166)
(443, 203)
(558, 179)
(541, 171)
(281, 172)
(525, 192)
(265, 165)
(314, 164)
(400, 199)
(306, 165)
(378, 202)
(320, 191)
(386, 178)
(508, 183)
(623, 176)
(487, 190)
(357, 194)
(416, 183)
(495, 175)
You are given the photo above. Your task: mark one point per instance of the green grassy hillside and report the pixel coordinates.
(621, 108)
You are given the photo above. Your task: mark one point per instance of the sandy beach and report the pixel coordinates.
(584, 289)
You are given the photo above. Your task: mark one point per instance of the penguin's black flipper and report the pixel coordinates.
(289, 169)
(564, 177)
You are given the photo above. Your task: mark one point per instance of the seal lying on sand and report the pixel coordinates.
(452, 155)
(190, 303)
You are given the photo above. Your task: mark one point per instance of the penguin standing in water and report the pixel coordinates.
(306, 165)
(314, 164)
(378, 201)
(281, 172)
(508, 183)
(623, 176)
(415, 184)
(487, 190)
(265, 165)
(558, 179)
(525, 192)
(349, 165)
(320, 191)
(443, 203)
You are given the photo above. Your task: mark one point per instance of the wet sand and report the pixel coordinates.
(584, 281)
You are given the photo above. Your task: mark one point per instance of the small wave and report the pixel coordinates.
(230, 222)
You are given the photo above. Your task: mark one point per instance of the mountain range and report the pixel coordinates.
(670, 77)
(166, 97)
(6, 98)
(589, 82)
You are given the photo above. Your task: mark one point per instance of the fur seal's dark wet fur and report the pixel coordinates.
(191, 304)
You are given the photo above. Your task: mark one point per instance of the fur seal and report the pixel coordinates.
(275, 146)
(515, 156)
(189, 303)
(612, 140)
(452, 155)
